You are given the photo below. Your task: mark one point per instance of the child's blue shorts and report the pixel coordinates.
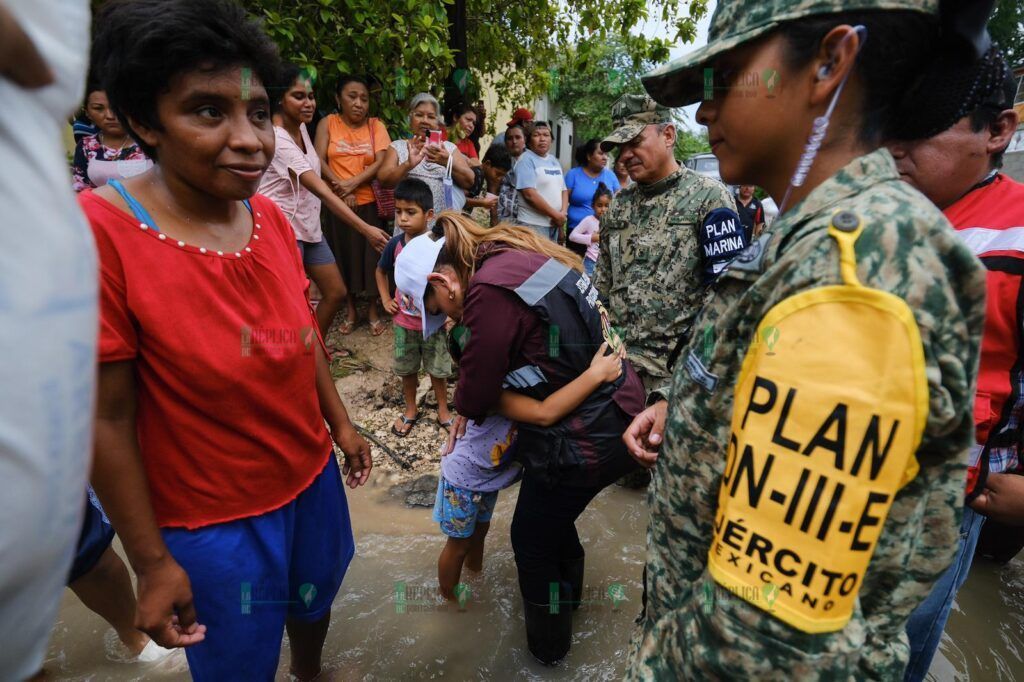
(249, 575)
(458, 510)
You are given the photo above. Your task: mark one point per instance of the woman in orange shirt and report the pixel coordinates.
(351, 147)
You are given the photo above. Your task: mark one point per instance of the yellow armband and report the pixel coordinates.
(826, 421)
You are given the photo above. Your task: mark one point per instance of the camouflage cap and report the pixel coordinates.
(735, 22)
(631, 114)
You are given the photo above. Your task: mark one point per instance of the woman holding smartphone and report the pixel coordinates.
(426, 155)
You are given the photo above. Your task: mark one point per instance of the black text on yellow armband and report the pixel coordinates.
(824, 430)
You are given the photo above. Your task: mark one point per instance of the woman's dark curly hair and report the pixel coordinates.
(139, 46)
(583, 152)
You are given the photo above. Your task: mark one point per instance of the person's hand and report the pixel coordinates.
(358, 458)
(389, 305)
(558, 220)
(350, 201)
(1002, 499)
(437, 154)
(20, 61)
(490, 201)
(449, 324)
(595, 238)
(163, 608)
(607, 367)
(417, 150)
(346, 187)
(377, 237)
(457, 431)
(644, 436)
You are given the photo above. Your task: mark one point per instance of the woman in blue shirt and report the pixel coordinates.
(582, 181)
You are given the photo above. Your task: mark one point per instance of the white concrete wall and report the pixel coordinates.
(562, 138)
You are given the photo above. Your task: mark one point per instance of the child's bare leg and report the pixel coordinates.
(475, 557)
(409, 384)
(441, 393)
(449, 565)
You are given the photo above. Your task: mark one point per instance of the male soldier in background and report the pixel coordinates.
(663, 239)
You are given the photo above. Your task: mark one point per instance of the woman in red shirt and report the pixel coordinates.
(212, 459)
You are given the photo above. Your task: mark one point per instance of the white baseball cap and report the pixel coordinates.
(413, 266)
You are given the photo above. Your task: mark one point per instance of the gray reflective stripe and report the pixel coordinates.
(525, 377)
(541, 282)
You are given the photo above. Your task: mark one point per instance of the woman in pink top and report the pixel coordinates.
(293, 182)
(587, 232)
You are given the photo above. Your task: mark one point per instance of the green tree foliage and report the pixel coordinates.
(1007, 29)
(404, 43)
(689, 143)
(591, 76)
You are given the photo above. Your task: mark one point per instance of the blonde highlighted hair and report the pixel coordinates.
(463, 238)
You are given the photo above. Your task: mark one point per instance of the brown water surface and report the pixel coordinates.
(371, 639)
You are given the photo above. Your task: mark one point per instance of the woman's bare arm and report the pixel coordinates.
(377, 237)
(120, 482)
(320, 142)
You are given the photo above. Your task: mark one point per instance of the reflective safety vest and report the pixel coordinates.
(584, 448)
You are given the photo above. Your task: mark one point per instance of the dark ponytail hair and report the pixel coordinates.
(347, 78)
(285, 79)
(602, 191)
(901, 47)
(583, 153)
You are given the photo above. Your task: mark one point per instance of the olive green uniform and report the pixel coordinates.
(650, 267)
(691, 630)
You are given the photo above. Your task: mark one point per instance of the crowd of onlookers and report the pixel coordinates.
(343, 212)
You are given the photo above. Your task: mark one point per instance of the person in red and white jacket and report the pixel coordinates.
(958, 170)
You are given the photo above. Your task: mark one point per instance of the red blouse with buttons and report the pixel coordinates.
(228, 417)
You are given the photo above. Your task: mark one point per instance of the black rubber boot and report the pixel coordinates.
(571, 571)
(548, 635)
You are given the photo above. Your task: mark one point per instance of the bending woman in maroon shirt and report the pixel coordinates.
(530, 322)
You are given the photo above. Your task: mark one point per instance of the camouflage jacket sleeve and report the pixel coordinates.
(693, 629)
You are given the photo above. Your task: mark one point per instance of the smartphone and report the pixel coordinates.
(434, 137)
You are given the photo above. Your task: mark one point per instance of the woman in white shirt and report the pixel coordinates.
(416, 158)
(543, 197)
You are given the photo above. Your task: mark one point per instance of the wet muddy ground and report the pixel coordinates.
(376, 635)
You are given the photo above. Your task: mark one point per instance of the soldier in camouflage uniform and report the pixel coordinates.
(726, 598)
(651, 264)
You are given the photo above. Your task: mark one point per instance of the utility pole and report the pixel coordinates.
(454, 95)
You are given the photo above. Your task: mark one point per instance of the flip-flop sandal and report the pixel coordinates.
(406, 422)
(446, 425)
(338, 352)
(377, 327)
(346, 327)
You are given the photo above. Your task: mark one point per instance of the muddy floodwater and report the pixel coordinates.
(372, 638)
